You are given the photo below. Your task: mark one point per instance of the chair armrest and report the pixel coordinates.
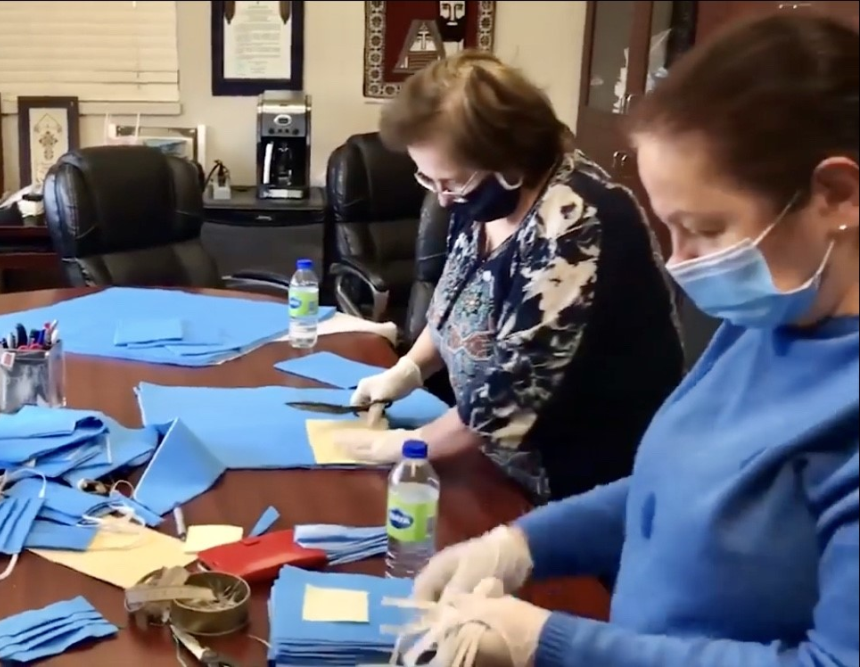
(263, 281)
(367, 273)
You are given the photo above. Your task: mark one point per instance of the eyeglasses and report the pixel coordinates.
(457, 194)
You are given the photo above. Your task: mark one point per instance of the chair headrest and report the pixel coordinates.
(366, 182)
(107, 199)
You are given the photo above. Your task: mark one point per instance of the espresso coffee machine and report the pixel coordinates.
(283, 145)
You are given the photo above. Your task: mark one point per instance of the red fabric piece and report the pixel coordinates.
(402, 36)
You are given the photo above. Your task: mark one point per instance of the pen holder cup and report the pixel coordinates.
(32, 377)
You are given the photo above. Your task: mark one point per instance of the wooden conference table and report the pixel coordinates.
(475, 498)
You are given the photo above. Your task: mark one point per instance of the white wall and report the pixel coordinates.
(544, 38)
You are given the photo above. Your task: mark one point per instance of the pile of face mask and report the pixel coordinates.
(52, 630)
(343, 544)
(73, 445)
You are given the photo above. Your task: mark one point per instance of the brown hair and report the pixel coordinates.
(774, 97)
(492, 117)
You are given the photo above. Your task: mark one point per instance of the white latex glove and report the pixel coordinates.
(380, 447)
(501, 554)
(395, 383)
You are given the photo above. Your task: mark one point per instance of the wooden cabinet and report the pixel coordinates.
(630, 44)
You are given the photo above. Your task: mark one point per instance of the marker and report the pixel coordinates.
(179, 520)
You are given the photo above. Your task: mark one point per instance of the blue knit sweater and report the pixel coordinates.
(736, 538)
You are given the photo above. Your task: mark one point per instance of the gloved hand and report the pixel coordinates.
(496, 631)
(397, 382)
(374, 446)
(502, 554)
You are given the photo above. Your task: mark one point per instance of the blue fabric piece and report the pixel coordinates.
(294, 641)
(30, 438)
(42, 633)
(737, 534)
(253, 428)
(62, 504)
(343, 544)
(149, 331)
(265, 522)
(49, 535)
(129, 448)
(87, 324)
(16, 520)
(329, 368)
(62, 461)
(119, 501)
(181, 469)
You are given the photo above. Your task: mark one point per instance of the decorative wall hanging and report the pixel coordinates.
(257, 46)
(47, 129)
(402, 37)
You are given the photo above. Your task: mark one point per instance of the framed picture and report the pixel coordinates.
(257, 46)
(47, 129)
(187, 142)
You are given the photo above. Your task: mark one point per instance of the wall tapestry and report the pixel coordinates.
(47, 129)
(402, 37)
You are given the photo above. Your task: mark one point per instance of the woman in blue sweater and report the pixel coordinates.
(735, 540)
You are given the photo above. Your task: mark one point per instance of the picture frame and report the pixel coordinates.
(249, 73)
(186, 142)
(48, 127)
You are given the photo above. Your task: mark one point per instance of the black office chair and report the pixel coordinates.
(132, 216)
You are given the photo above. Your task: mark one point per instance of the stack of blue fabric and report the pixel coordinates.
(50, 631)
(72, 445)
(186, 330)
(343, 544)
(328, 639)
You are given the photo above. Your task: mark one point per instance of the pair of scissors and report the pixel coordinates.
(335, 409)
(205, 656)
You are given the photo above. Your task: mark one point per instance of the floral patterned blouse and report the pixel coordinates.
(512, 328)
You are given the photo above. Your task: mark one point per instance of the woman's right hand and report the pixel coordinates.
(501, 554)
(395, 383)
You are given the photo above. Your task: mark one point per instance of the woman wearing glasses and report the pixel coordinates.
(553, 316)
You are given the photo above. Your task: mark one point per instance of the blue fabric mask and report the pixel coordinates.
(17, 516)
(62, 504)
(736, 285)
(494, 198)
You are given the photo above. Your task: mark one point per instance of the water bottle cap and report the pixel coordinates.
(305, 264)
(414, 449)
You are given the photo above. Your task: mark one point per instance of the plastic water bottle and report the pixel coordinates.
(304, 305)
(413, 503)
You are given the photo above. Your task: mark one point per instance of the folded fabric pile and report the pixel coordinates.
(72, 445)
(50, 631)
(319, 618)
(343, 544)
(187, 330)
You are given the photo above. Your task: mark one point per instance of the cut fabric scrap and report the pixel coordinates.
(203, 537)
(329, 368)
(36, 431)
(181, 469)
(343, 544)
(50, 631)
(88, 323)
(267, 519)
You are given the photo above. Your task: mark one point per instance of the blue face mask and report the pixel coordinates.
(736, 285)
(492, 199)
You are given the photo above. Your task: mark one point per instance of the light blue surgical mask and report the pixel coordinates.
(17, 516)
(736, 285)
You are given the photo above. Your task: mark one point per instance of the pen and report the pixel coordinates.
(179, 520)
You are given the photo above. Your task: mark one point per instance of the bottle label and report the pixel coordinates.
(304, 304)
(409, 522)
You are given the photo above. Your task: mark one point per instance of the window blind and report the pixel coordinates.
(99, 51)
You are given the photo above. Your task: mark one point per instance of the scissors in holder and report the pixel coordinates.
(205, 656)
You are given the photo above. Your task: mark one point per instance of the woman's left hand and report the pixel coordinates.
(371, 446)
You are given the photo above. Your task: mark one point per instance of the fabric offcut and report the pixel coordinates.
(36, 431)
(50, 631)
(329, 368)
(359, 636)
(88, 324)
(253, 428)
(181, 469)
(267, 519)
(343, 544)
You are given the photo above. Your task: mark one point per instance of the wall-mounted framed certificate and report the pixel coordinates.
(257, 46)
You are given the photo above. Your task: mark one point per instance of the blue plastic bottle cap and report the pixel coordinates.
(305, 264)
(414, 449)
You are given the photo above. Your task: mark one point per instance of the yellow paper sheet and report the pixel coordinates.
(200, 538)
(335, 605)
(322, 433)
(122, 559)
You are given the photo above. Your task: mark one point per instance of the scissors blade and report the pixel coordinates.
(326, 408)
(191, 644)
